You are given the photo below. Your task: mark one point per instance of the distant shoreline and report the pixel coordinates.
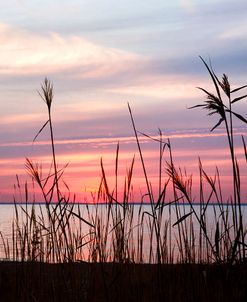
(105, 203)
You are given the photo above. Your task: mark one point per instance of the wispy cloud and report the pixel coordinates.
(188, 5)
(187, 134)
(164, 89)
(25, 53)
(238, 32)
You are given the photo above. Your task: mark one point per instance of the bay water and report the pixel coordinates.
(138, 224)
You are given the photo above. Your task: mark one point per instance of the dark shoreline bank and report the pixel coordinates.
(29, 281)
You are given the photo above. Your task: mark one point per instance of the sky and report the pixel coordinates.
(100, 56)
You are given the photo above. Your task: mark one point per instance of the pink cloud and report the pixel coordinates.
(24, 53)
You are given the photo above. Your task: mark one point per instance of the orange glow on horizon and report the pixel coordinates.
(83, 156)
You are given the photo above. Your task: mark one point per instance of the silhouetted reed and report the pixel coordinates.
(114, 229)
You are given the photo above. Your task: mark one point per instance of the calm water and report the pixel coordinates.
(169, 217)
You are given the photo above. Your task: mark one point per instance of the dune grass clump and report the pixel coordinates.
(171, 229)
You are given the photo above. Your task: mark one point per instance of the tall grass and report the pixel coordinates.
(114, 229)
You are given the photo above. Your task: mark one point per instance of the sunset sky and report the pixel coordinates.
(100, 55)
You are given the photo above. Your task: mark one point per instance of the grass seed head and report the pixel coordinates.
(47, 92)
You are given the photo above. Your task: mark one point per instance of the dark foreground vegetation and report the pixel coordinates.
(122, 282)
(53, 258)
